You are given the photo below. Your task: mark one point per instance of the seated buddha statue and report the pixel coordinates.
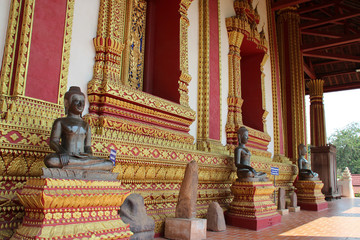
(71, 138)
(305, 173)
(242, 160)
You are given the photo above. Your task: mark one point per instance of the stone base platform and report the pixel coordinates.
(294, 209)
(314, 206)
(252, 224)
(283, 212)
(186, 229)
(252, 207)
(310, 196)
(72, 209)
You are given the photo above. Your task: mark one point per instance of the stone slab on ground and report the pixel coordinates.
(294, 209)
(283, 212)
(215, 218)
(314, 206)
(252, 223)
(184, 228)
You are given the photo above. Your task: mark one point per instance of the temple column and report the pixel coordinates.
(323, 156)
(317, 119)
(209, 95)
(292, 80)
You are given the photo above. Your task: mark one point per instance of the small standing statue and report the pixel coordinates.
(71, 138)
(242, 160)
(305, 172)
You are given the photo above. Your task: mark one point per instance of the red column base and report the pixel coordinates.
(313, 206)
(252, 223)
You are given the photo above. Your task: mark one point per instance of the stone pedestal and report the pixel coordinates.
(346, 187)
(283, 212)
(185, 229)
(323, 161)
(294, 209)
(310, 196)
(252, 207)
(72, 209)
(345, 184)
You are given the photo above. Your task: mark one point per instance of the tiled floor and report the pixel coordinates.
(340, 221)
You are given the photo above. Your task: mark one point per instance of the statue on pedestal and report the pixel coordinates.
(71, 138)
(305, 173)
(242, 160)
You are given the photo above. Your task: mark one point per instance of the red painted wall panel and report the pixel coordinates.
(214, 111)
(162, 50)
(46, 49)
(251, 91)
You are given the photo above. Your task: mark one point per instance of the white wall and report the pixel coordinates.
(226, 10)
(4, 15)
(193, 50)
(82, 52)
(261, 5)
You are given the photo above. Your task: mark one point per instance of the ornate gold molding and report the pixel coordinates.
(204, 143)
(203, 75)
(290, 19)
(185, 77)
(66, 50)
(110, 95)
(240, 27)
(24, 48)
(265, 58)
(133, 60)
(8, 69)
(274, 78)
(234, 118)
(317, 116)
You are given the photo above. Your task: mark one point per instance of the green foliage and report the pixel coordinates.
(347, 142)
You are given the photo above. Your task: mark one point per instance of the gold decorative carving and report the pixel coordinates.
(265, 58)
(7, 69)
(244, 24)
(294, 95)
(136, 45)
(275, 78)
(185, 77)
(317, 117)
(24, 48)
(109, 42)
(66, 50)
(204, 143)
(63, 208)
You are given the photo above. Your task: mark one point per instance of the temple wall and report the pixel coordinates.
(267, 71)
(151, 158)
(82, 55)
(4, 14)
(193, 45)
(82, 52)
(226, 10)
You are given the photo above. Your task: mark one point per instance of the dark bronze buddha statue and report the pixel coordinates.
(242, 160)
(71, 138)
(305, 173)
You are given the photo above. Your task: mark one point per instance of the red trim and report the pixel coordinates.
(46, 50)
(251, 90)
(214, 101)
(288, 87)
(162, 51)
(158, 235)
